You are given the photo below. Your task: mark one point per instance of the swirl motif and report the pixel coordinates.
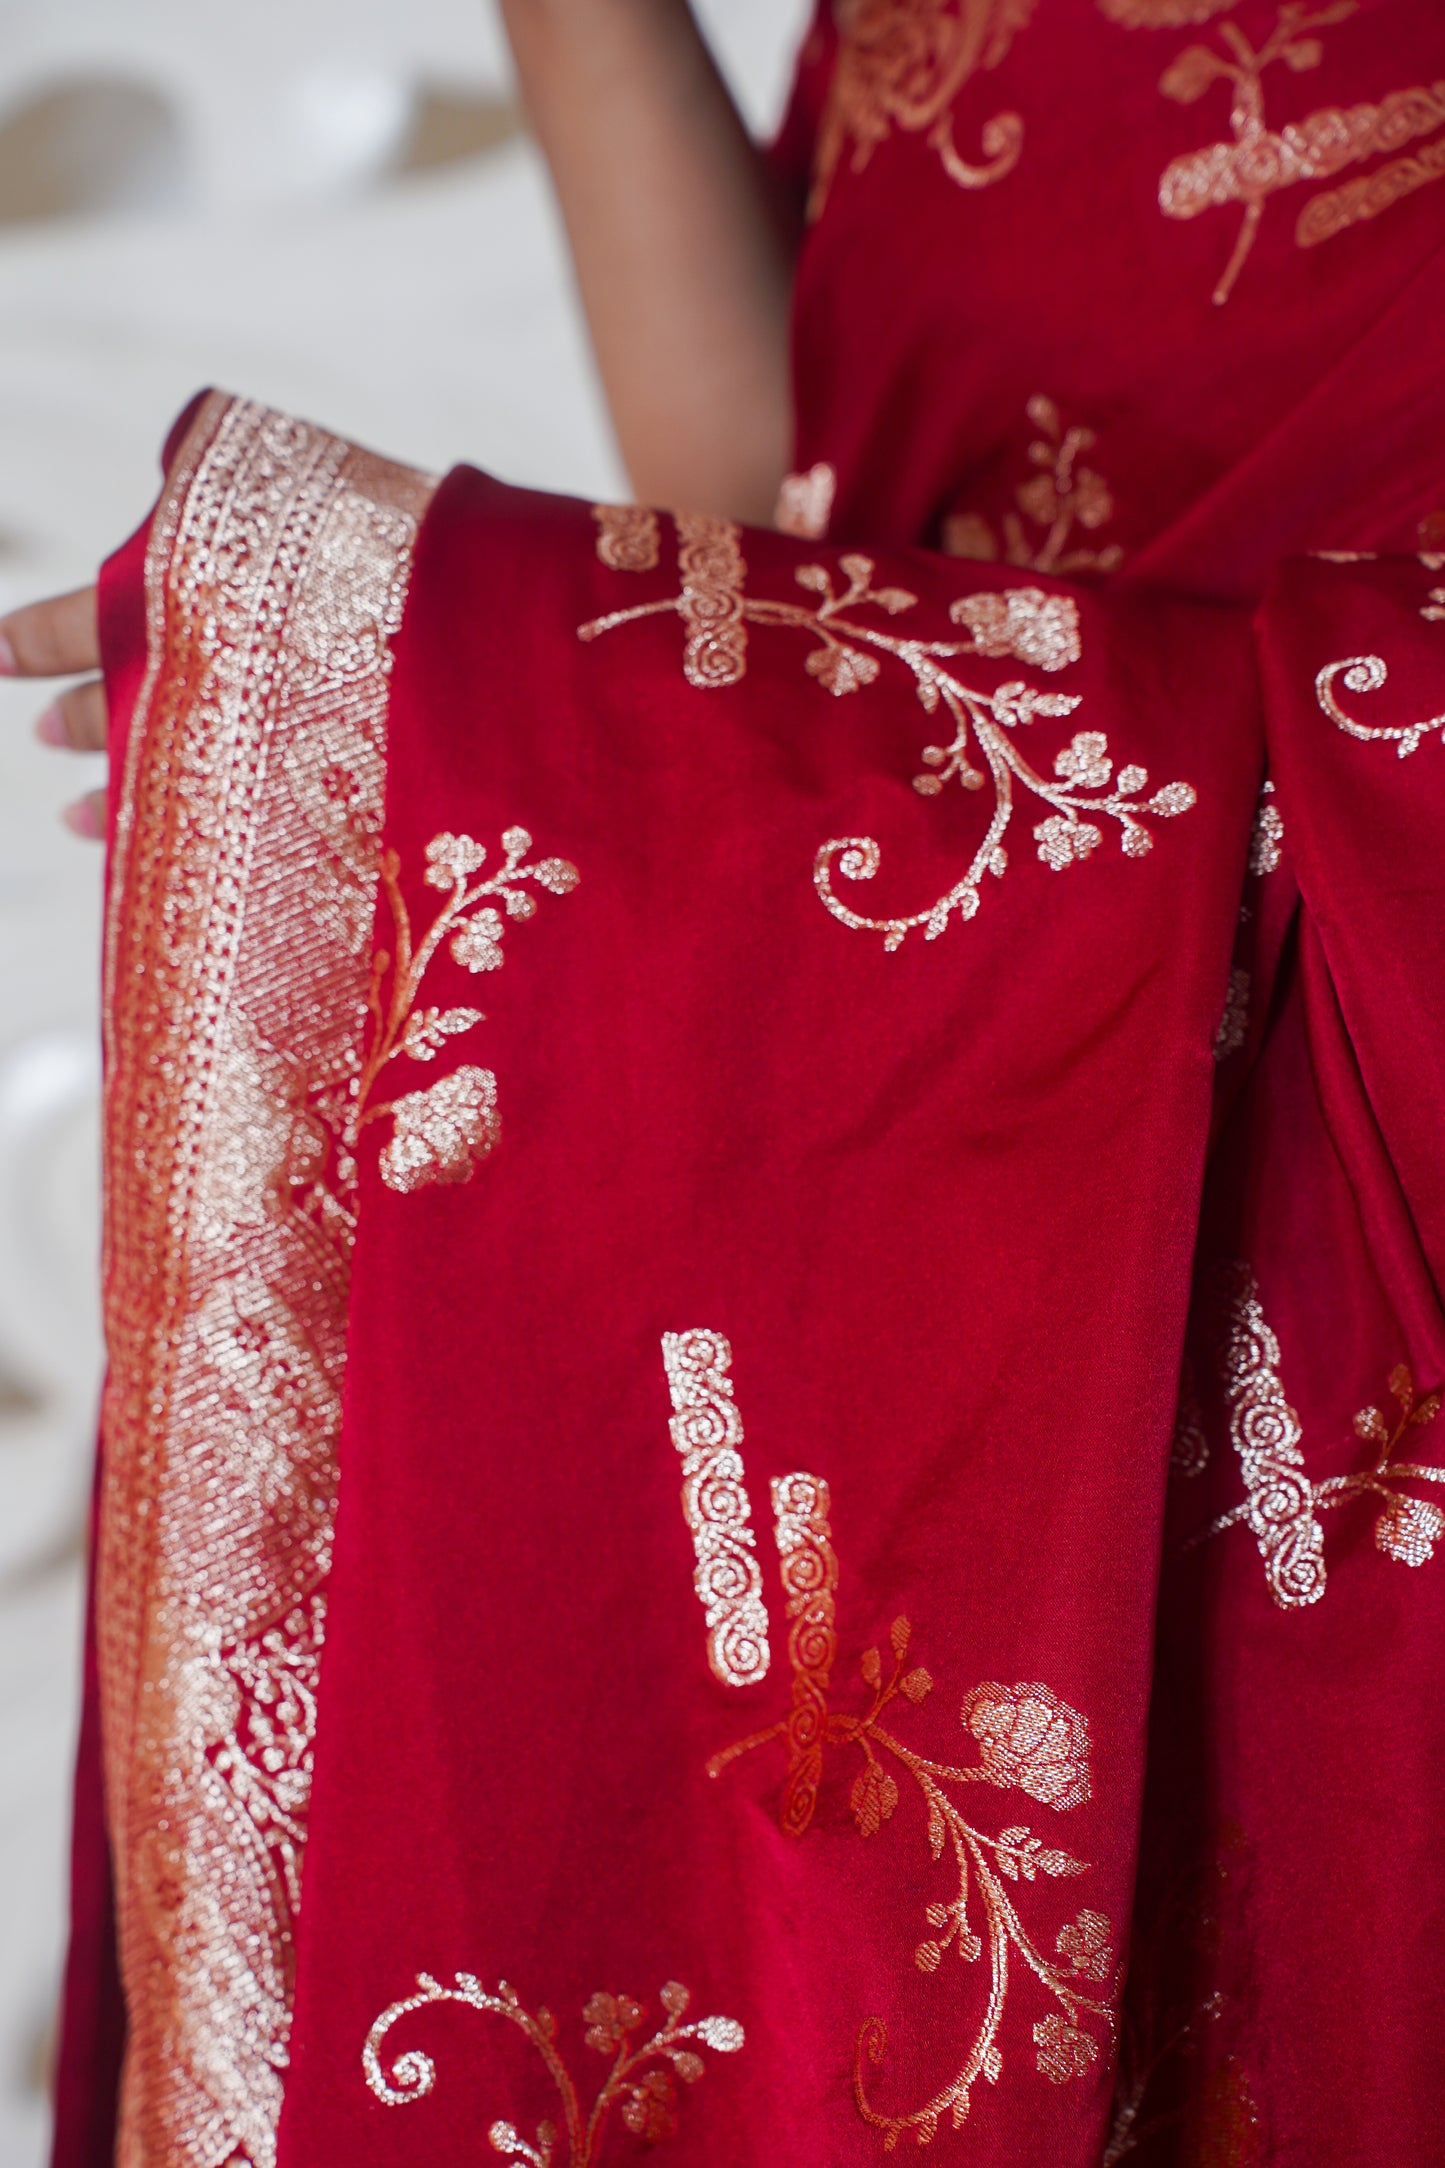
(711, 605)
(626, 537)
(707, 1430)
(809, 1569)
(1265, 1430)
(1367, 674)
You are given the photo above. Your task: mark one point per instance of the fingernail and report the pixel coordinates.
(50, 727)
(9, 667)
(81, 820)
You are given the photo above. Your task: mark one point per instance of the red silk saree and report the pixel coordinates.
(774, 1244)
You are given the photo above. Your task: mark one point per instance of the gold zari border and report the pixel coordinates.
(238, 936)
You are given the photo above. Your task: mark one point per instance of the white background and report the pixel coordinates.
(227, 201)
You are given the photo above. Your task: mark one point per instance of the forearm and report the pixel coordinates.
(683, 253)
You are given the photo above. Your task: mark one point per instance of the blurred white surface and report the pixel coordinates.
(240, 213)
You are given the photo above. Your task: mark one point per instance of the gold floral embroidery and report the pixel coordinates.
(1234, 1023)
(1258, 161)
(626, 536)
(248, 807)
(443, 1134)
(901, 64)
(1027, 1740)
(1062, 495)
(805, 503)
(1023, 623)
(642, 2078)
(1266, 841)
(1283, 1501)
(707, 1430)
(801, 1507)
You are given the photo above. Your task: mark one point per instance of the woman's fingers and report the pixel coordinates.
(77, 719)
(56, 638)
(61, 638)
(87, 816)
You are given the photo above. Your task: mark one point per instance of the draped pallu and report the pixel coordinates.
(758, 1326)
(770, 1477)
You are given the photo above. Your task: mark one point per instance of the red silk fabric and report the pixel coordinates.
(958, 1203)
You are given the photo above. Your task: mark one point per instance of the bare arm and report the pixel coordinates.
(683, 252)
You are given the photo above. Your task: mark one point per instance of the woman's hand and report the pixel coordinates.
(682, 247)
(61, 638)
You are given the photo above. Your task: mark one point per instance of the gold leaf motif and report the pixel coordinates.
(873, 1798)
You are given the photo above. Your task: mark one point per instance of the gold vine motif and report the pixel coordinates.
(1023, 623)
(1027, 1741)
(642, 2076)
(1061, 495)
(1258, 161)
(444, 1132)
(901, 64)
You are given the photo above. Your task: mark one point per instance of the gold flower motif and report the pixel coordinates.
(609, 2019)
(444, 1133)
(1085, 761)
(1064, 2051)
(1087, 1942)
(1409, 1529)
(1022, 621)
(1029, 1738)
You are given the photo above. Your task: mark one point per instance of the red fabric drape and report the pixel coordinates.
(746, 1109)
